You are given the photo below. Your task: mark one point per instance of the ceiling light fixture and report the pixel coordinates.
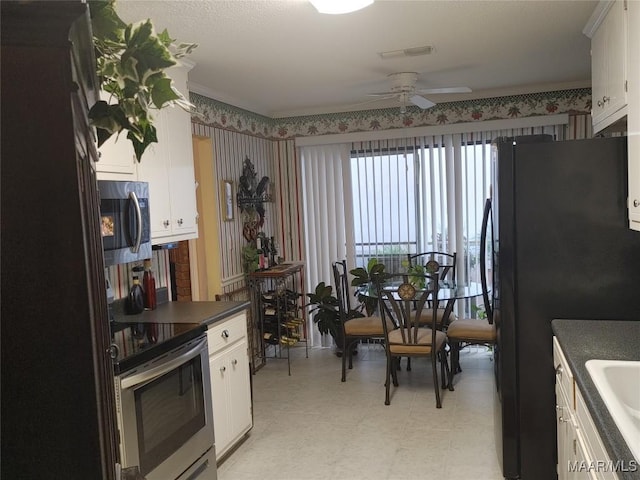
(335, 7)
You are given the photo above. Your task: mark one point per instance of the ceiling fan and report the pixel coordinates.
(403, 87)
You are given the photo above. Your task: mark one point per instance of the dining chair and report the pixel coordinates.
(409, 304)
(356, 327)
(446, 269)
(468, 331)
(446, 262)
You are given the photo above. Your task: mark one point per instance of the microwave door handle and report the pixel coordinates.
(136, 204)
(155, 372)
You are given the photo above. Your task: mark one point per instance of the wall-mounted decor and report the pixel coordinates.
(252, 195)
(226, 199)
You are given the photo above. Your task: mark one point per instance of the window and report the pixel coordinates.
(404, 202)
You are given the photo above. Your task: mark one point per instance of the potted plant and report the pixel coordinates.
(131, 62)
(362, 278)
(323, 306)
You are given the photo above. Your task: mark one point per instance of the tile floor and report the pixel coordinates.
(311, 426)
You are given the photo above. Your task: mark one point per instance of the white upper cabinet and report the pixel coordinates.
(168, 167)
(117, 158)
(607, 29)
(633, 116)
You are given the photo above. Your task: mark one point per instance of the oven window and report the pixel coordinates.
(169, 411)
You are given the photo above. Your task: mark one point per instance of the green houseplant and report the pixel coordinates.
(323, 306)
(131, 62)
(362, 277)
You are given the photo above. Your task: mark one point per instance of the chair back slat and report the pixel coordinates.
(342, 288)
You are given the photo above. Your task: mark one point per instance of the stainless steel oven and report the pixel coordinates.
(165, 417)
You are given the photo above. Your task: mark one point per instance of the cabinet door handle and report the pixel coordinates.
(180, 221)
(225, 334)
(636, 203)
(605, 99)
(559, 372)
(234, 362)
(223, 369)
(166, 223)
(561, 411)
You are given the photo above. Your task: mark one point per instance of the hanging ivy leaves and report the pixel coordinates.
(131, 60)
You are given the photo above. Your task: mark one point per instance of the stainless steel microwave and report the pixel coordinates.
(125, 221)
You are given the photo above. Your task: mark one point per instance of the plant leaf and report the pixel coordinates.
(163, 92)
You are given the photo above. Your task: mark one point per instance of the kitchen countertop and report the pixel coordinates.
(140, 338)
(204, 313)
(583, 340)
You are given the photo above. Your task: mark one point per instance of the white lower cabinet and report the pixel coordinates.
(633, 115)
(230, 382)
(581, 454)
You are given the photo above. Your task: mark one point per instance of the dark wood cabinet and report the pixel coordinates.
(58, 416)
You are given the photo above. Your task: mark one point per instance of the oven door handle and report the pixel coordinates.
(155, 372)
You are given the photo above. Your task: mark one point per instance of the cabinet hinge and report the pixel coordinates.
(625, 86)
(575, 449)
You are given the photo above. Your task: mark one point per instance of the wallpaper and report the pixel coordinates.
(221, 115)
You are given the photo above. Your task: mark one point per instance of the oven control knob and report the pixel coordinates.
(225, 334)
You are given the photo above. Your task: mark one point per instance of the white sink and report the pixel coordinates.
(618, 383)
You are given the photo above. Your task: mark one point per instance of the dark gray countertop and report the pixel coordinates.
(143, 336)
(207, 313)
(583, 340)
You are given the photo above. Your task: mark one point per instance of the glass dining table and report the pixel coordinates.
(447, 295)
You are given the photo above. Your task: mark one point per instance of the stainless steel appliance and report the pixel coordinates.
(560, 248)
(164, 409)
(125, 221)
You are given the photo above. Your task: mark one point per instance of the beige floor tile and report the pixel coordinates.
(310, 425)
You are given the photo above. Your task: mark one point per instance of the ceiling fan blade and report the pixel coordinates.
(382, 94)
(433, 91)
(421, 102)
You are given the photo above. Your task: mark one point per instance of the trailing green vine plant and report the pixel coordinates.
(131, 60)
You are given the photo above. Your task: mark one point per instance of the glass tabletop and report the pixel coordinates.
(445, 292)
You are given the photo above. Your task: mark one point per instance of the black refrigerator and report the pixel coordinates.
(558, 246)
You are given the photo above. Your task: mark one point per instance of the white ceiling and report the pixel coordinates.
(282, 58)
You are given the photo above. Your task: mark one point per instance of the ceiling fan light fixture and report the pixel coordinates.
(336, 7)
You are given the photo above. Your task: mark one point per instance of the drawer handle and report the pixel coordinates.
(225, 334)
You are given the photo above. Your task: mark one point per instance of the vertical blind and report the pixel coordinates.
(386, 198)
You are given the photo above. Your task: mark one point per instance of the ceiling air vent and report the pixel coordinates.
(408, 52)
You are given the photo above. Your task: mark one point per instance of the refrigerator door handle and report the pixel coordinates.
(483, 259)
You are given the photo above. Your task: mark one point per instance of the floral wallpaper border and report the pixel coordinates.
(217, 114)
